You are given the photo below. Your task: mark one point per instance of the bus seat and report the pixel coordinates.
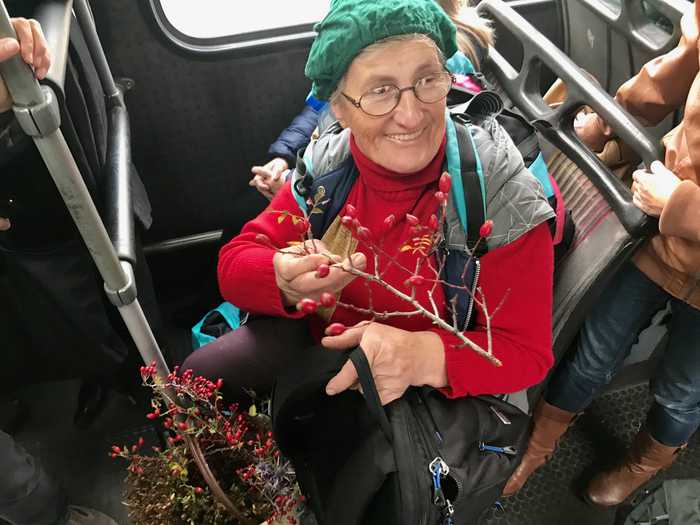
(608, 226)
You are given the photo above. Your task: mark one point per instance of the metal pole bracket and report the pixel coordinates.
(41, 119)
(126, 295)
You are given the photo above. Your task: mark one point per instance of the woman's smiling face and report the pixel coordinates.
(408, 138)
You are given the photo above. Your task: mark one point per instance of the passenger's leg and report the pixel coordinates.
(251, 357)
(60, 304)
(673, 418)
(27, 495)
(606, 338)
(675, 413)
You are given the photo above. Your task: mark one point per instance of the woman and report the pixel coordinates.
(474, 36)
(665, 269)
(381, 65)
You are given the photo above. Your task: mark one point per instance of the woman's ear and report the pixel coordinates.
(339, 112)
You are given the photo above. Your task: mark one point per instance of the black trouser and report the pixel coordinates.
(251, 357)
(57, 322)
(27, 495)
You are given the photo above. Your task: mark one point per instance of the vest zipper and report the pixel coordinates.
(470, 307)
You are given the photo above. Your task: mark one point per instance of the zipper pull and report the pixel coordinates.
(438, 468)
(508, 450)
(448, 512)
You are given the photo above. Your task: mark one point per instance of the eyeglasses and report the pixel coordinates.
(383, 100)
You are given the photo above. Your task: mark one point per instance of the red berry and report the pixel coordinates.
(445, 182)
(219, 383)
(308, 306)
(182, 426)
(322, 270)
(350, 210)
(433, 222)
(411, 219)
(486, 229)
(336, 329)
(140, 442)
(364, 233)
(440, 197)
(116, 449)
(198, 490)
(327, 300)
(416, 280)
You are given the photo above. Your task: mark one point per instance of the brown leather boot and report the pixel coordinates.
(550, 423)
(646, 457)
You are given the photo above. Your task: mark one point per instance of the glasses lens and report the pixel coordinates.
(380, 101)
(433, 87)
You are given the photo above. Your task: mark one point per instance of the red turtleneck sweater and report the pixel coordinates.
(521, 330)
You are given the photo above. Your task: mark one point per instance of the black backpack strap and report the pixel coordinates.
(369, 389)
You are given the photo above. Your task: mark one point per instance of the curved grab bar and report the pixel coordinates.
(630, 17)
(556, 124)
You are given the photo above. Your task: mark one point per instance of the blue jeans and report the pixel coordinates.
(606, 338)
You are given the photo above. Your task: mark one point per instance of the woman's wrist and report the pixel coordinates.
(431, 368)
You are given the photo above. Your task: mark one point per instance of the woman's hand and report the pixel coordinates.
(398, 359)
(31, 44)
(651, 191)
(296, 271)
(268, 179)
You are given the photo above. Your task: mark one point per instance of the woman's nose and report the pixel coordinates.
(408, 111)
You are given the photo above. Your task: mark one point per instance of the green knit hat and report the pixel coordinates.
(352, 25)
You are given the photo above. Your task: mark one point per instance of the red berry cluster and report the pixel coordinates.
(231, 435)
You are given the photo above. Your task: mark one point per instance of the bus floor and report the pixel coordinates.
(79, 458)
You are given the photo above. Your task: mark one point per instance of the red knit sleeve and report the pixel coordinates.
(522, 272)
(245, 270)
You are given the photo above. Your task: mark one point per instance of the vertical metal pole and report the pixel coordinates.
(87, 24)
(36, 109)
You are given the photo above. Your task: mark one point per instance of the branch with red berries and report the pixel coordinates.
(425, 240)
(237, 445)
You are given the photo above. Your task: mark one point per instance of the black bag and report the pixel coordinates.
(422, 459)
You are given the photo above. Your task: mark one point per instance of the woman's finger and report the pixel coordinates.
(343, 380)
(41, 59)
(292, 266)
(26, 39)
(9, 47)
(348, 339)
(261, 172)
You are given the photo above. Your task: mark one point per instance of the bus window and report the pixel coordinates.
(211, 25)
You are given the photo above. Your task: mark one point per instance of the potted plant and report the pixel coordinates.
(221, 466)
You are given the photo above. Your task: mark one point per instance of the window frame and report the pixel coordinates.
(266, 38)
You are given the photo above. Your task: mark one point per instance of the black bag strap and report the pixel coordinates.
(369, 389)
